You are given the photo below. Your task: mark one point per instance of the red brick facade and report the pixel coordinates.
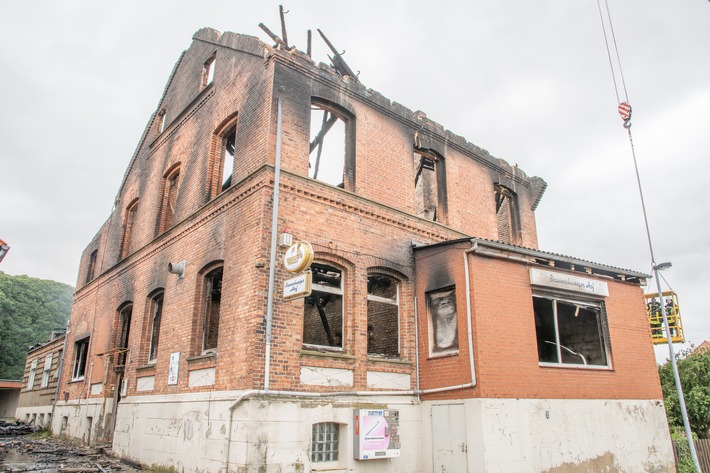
(365, 227)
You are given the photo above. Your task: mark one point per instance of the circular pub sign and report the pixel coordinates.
(298, 257)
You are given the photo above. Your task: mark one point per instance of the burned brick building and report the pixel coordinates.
(436, 335)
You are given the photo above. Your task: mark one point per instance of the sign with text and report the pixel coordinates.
(173, 368)
(298, 286)
(541, 277)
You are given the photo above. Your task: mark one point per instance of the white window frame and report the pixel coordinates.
(32, 375)
(47, 370)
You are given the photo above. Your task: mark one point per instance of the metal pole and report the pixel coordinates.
(676, 375)
(671, 353)
(274, 239)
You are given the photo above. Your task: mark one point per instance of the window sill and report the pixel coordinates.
(209, 356)
(312, 352)
(436, 356)
(148, 367)
(575, 367)
(396, 361)
(73, 380)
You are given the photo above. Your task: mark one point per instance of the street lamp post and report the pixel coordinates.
(674, 365)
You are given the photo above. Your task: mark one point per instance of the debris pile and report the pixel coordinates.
(17, 428)
(23, 453)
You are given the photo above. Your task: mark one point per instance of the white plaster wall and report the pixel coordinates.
(22, 412)
(77, 413)
(268, 434)
(552, 435)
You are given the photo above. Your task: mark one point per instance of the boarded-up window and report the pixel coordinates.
(443, 322)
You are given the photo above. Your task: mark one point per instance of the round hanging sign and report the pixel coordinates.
(298, 257)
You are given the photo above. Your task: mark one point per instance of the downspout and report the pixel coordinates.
(272, 261)
(59, 370)
(473, 248)
(416, 344)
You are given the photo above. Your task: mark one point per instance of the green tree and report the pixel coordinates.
(30, 309)
(694, 371)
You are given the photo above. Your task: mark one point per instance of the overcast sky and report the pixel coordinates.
(527, 80)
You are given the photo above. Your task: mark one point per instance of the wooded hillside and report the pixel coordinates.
(30, 309)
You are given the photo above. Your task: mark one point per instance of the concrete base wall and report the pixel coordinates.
(88, 420)
(194, 433)
(561, 436)
(35, 415)
(267, 434)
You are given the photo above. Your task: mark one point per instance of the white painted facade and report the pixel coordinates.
(192, 432)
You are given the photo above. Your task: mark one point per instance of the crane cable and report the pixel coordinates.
(624, 106)
(624, 109)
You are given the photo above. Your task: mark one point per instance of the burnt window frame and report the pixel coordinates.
(127, 230)
(208, 71)
(317, 289)
(455, 346)
(582, 303)
(156, 307)
(123, 333)
(91, 267)
(337, 112)
(506, 198)
(81, 357)
(207, 306)
(169, 192)
(227, 132)
(428, 160)
(375, 273)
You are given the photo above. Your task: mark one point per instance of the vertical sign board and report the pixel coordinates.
(376, 434)
(173, 368)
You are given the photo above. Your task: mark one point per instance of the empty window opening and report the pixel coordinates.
(208, 71)
(65, 423)
(429, 184)
(46, 373)
(327, 150)
(32, 375)
(91, 269)
(382, 315)
(161, 121)
(229, 143)
(443, 322)
(156, 311)
(40, 420)
(507, 214)
(323, 309)
(213, 300)
(124, 328)
(81, 353)
(128, 222)
(167, 207)
(325, 442)
(570, 332)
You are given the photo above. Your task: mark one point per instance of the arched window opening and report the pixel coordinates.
(213, 302)
(129, 221)
(507, 215)
(331, 153)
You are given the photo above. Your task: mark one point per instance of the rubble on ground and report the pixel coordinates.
(20, 452)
